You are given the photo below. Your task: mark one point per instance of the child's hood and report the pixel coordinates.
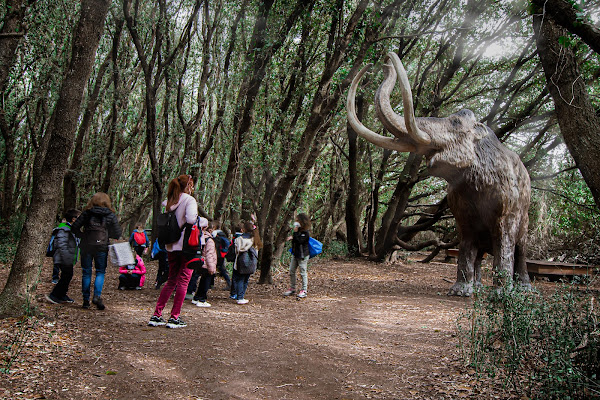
(243, 243)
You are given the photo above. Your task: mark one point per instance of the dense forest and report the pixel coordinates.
(248, 96)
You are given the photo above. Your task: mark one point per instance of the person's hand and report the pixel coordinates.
(289, 238)
(130, 272)
(146, 250)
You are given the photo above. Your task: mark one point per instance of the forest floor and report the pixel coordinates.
(366, 331)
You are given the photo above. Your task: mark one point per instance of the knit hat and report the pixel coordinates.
(202, 222)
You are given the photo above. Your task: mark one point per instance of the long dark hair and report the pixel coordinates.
(176, 187)
(250, 228)
(304, 221)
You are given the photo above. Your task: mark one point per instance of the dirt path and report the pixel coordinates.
(365, 331)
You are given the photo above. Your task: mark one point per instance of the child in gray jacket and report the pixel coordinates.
(66, 249)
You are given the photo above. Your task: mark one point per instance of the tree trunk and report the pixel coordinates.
(374, 205)
(24, 274)
(566, 13)
(387, 233)
(13, 23)
(578, 121)
(70, 180)
(261, 51)
(352, 201)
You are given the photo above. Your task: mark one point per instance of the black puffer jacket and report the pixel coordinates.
(300, 244)
(111, 223)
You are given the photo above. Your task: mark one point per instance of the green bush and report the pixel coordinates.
(335, 249)
(10, 232)
(545, 346)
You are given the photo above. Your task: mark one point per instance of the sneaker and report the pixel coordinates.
(53, 299)
(67, 299)
(243, 301)
(289, 292)
(86, 304)
(156, 321)
(98, 303)
(138, 288)
(202, 303)
(54, 281)
(121, 287)
(233, 297)
(189, 296)
(176, 323)
(302, 294)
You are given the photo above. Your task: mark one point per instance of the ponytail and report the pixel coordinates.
(176, 188)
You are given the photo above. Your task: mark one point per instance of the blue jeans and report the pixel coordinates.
(240, 284)
(86, 273)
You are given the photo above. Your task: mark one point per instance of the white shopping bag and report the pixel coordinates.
(121, 254)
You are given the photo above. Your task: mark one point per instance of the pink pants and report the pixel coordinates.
(179, 277)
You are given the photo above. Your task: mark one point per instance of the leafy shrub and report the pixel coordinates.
(335, 249)
(545, 346)
(10, 232)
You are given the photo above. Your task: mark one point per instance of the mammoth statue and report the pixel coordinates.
(488, 185)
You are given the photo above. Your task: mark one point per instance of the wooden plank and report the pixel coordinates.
(452, 253)
(540, 267)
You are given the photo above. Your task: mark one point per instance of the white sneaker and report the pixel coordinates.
(195, 302)
(201, 303)
(243, 301)
(302, 294)
(289, 292)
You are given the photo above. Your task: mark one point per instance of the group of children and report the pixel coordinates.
(89, 233)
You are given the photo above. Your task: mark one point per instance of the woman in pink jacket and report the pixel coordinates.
(132, 276)
(180, 200)
(209, 268)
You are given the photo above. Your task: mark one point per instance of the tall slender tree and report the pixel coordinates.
(26, 266)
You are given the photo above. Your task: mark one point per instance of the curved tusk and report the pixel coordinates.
(366, 133)
(409, 112)
(393, 122)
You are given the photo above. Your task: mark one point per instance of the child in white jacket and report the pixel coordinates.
(246, 260)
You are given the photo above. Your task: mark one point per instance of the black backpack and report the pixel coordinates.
(247, 261)
(95, 234)
(169, 230)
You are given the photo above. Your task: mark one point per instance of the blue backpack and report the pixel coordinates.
(314, 247)
(51, 249)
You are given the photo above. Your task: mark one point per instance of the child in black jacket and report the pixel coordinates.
(300, 255)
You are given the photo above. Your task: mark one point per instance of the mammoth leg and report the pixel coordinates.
(521, 273)
(467, 253)
(477, 268)
(504, 259)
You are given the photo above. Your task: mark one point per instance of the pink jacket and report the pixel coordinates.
(139, 269)
(186, 210)
(209, 253)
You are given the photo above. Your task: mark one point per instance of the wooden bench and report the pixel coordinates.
(555, 270)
